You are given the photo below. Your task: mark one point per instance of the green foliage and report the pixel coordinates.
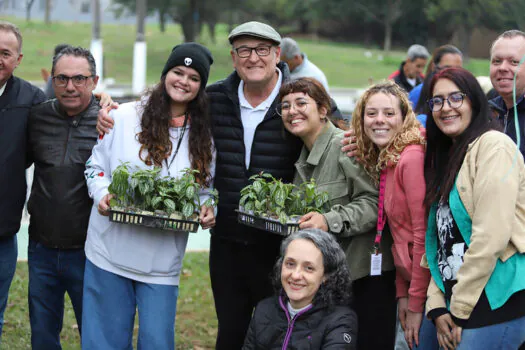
(271, 198)
(145, 189)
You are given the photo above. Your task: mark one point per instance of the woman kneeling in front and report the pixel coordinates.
(311, 309)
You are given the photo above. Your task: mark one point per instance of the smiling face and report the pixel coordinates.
(255, 69)
(74, 99)
(505, 57)
(10, 57)
(302, 272)
(451, 121)
(302, 118)
(182, 85)
(382, 118)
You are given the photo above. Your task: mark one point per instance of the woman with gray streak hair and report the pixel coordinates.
(310, 310)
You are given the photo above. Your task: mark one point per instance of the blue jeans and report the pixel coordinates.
(52, 273)
(503, 336)
(8, 255)
(110, 301)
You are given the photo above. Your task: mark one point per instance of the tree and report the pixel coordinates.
(47, 18)
(29, 4)
(188, 13)
(385, 14)
(463, 16)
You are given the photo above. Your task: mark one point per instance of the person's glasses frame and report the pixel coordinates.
(79, 80)
(260, 50)
(454, 100)
(299, 106)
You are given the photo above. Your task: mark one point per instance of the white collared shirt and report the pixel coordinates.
(2, 89)
(251, 117)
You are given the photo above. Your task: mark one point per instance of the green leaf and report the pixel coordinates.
(188, 209)
(170, 205)
(190, 192)
(113, 203)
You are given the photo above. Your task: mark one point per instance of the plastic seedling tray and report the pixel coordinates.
(153, 221)
(267, 224)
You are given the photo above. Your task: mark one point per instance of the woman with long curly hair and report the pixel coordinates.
(134, 267)
(311, 309)
(475, 241)
(392, 149)
(352, 211)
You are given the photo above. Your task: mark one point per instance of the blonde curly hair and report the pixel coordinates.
(373, 158)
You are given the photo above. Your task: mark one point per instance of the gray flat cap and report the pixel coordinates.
(256, 29)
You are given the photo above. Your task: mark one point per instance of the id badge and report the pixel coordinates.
(375, 264)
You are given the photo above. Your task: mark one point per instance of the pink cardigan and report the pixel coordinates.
(404, 195)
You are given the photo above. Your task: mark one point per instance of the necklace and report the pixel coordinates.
(168, 165)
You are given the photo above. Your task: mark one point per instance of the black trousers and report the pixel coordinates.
(240, 278)
(374, 301)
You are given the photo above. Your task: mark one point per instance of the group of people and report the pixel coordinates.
(428, 222)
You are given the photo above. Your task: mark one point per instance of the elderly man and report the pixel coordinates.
(506, 52)
(16, 98)
(61, 134)
(248, 137)
(410, 73)
(299, 64)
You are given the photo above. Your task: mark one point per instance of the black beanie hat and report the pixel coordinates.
(191, 55)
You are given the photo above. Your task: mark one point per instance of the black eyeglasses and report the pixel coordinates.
(454, 100)
(62, 80)
(261, 50)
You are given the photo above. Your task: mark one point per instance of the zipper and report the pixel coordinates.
(505, 121)
(66, 144)
(290, 322)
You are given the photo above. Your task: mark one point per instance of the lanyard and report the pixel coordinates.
(381, 215)
(168, 165)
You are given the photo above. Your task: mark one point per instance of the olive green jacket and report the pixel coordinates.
(353, 199)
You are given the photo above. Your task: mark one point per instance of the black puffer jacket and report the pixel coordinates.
(274, 151)
(15, 103)
(60, 145)
(315, 328)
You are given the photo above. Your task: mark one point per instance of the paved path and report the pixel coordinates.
(197, 241)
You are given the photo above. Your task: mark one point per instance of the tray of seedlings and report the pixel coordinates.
(271, 205)
(142, 197)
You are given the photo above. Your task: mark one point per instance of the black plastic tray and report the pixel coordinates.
(153, 221)
(266, 224)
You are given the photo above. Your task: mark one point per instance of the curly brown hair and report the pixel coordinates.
(373, 158)
(155, 135)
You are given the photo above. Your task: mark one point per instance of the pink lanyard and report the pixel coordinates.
(381, 215)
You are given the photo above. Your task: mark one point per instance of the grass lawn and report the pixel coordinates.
(196, 324)
(345, 65)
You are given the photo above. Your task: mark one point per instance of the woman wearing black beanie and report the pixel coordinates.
(132, 267)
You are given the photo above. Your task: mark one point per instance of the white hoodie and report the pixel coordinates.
(137, 252)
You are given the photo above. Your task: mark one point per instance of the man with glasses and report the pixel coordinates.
(250, 138)
(61, 134)
(16, 98)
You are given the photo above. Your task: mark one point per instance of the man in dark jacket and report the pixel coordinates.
(250, 138)
(410, 73)
(16, 98)
(61, 134)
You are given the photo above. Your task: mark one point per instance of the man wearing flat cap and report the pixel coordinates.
(249, 139)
